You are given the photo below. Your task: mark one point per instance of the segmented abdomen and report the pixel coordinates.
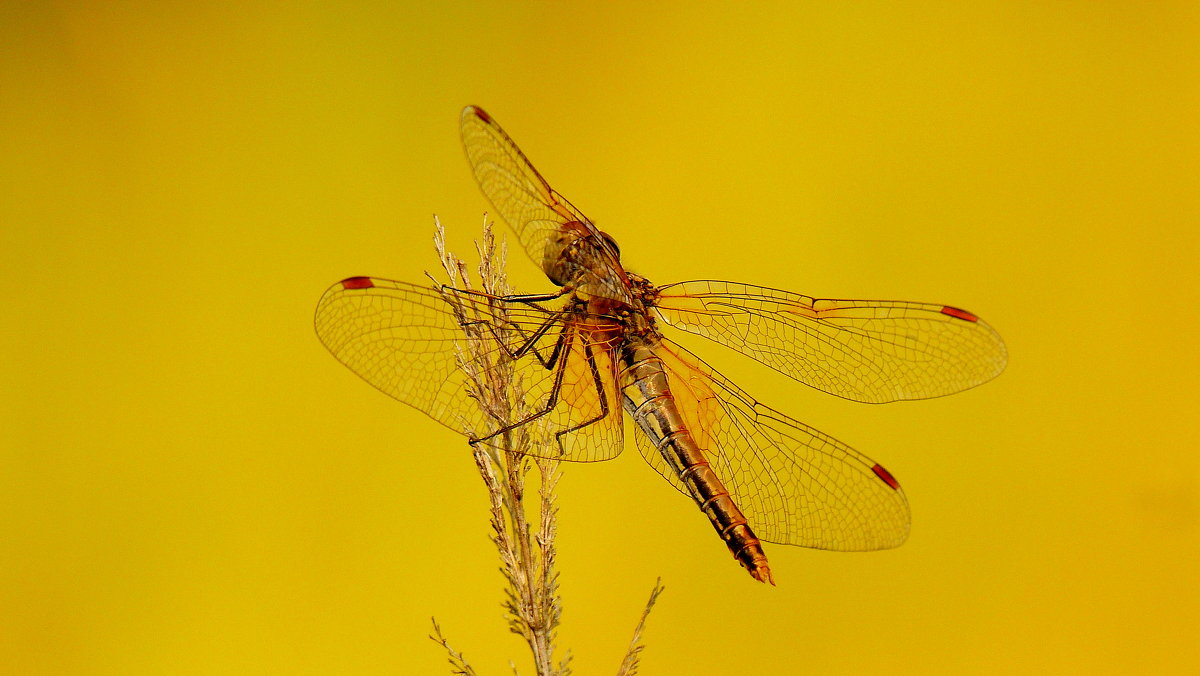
(646, 395)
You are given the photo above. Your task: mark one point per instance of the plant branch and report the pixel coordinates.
(527, 559)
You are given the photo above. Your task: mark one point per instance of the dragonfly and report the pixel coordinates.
(596, 347)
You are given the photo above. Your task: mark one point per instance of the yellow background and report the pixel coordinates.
(189, 483)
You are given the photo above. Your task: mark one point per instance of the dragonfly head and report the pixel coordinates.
(582, 258)
(576, 251)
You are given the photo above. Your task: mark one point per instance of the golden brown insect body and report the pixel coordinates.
(646, 396)
(756, 473)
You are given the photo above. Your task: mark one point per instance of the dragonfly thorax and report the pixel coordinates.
(633, 315)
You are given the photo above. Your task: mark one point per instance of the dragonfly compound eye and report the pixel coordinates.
(612, 244)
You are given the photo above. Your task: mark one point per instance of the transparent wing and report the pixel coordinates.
(545, 222)
(478, 364)
(796, 485)
(518, 192)
(863, 350)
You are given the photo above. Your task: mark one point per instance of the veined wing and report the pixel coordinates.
(546, 223)
(863, 350)
(796, 485)
(518, 192)
(450, 354)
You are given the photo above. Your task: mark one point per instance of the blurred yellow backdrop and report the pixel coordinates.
(189, 483)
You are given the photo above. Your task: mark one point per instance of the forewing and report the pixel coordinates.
(521, 197)
(795, 485)
(560, 239)
(478, 364)
(863, 350)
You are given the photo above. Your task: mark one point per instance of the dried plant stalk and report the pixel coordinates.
(458, 663)
(629, 665)
(532, 604)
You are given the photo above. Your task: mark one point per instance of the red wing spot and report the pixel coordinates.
(886, 476)
(358, 283)
(482, 114)
(959, 314)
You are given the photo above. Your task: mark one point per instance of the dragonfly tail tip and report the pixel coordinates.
(762, 573)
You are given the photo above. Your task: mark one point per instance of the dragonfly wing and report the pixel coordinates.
(520, 195)
(449, 354)
(546, 223)
(868, 351)
(796, 485)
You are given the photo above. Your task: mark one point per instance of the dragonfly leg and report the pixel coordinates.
(527, 298)
(528, 341)
(530, 344)
(530, 298)
(604, 409)
(551, 402)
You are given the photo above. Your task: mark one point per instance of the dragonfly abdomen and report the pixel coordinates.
(646, 395)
